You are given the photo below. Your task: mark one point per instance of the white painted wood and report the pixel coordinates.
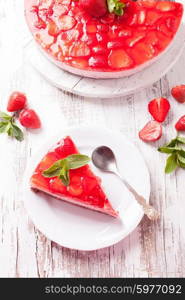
(152, 249)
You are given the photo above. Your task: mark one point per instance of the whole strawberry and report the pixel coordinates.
(29, 119)
(180, 125)
(96, 8)
(178, 92)
(17, 101)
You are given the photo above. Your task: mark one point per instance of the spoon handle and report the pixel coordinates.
(149, 210)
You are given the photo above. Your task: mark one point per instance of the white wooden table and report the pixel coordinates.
(152, 250)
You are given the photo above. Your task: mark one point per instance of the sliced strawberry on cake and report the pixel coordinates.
(103, 38)
(64, 173)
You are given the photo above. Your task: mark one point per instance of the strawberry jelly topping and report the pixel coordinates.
(84, 185)
(111, 43)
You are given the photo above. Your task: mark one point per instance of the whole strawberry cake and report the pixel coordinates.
(103, 38)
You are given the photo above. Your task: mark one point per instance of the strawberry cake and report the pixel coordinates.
(83, 187)
(103, 38)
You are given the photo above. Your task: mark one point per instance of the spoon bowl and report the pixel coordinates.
(104, 159)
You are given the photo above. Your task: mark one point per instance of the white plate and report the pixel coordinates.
(79, 228)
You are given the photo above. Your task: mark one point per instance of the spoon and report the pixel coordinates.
(104, 159)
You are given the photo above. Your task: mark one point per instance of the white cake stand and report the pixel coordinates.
(106, 88)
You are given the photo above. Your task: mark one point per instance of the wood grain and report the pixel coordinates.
(153, 249)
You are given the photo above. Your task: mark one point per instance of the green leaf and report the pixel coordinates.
(3, 126)
(172, 143)
(54, 170)
(61, 167)
(168, 150)
(171, 163)
(17, 133)
(181, 157)
(4, 116)
(180, 164)
(116, 7)
(180, 140)
(64, 174)
(77, 160)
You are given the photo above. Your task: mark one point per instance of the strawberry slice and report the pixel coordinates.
(180, 125)
(17, 101)
(75, 188)
(66, 22)
(57, 185)
(159, 108)
(79, 49)
(178, 92)
(151, 132)
(119, 59)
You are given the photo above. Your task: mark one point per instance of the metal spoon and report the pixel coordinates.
(104, 159)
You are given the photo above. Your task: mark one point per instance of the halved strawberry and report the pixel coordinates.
(151, 132)
(180, 125)
(159, 108)
(165, 6)
(119, 59)
(57, 185)
(79, 49)
(97, 61)
(178, 92)
(66, 22)
(17, 101)
(52, 28)
(96, 8)
(75, 188)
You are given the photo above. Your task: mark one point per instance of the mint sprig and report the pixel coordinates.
(177, 154)
(116, 7)
(61, 167)
(8, 126)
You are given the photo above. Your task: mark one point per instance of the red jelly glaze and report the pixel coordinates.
(84, 185)
(111, 43)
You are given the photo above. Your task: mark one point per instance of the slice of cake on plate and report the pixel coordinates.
(64, 173)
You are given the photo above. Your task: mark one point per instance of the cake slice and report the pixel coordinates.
(84, 187)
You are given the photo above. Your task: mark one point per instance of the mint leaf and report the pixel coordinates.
(64, 174)
(168, 150)
(116, 7)
(172, 143)
(180, 140)
(77, 160)
(54, 170)
(61, 167)
(7, 125)
(4, 116)
(171, 163)
(3, 126)
(17, 133)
